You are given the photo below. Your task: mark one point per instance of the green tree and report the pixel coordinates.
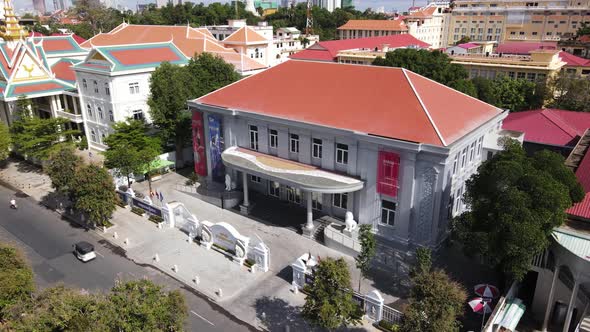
(435, 300)
(130, 149)
(94, 194)
(169, 91)
(59, 309)
(583, 30)
(61, 167)
(16, 279)
(5, 141)
(464, 39)
(368, 251)
(515, 203)
(570, 92)
(423, 262)
(329, 302)
(143, 306)
(37, 137)
(435, 65)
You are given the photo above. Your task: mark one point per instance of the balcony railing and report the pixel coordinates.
(77, 118)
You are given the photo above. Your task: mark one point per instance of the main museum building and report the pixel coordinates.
(390, 146)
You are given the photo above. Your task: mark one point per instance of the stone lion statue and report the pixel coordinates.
(349, 222)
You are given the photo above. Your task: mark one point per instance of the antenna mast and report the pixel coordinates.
(309, 21)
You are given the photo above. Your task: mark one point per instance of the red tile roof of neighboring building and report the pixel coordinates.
(549, 126)
(582, 209)
(469, 46)
(384, 25)
(63, 70)
(572, 60)
(245, 35)
(424, 13)
(328, 50)
(584, 39)
(130, 57)
(77, 38)
(358, 98)
(524, 47)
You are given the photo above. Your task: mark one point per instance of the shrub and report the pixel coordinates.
(138, 211)
(192, 179)
(388, 326)
(156, 219)
(249, 262)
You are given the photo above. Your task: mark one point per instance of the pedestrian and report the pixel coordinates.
(90, 154)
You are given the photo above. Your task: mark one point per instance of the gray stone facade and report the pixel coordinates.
(430, 177)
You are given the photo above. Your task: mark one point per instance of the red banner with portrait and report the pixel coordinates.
(199, 144)
(388, 173)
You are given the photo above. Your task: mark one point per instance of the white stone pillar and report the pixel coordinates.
(309, 224)
(570, 307)
(245, 185)
(350, 202)
(550, 299)
(75, 105)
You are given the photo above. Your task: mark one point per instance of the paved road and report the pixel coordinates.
(47, 242)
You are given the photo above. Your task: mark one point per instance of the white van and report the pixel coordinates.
(84, 251)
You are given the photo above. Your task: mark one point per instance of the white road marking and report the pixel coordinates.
(99, 254)
(201, 317)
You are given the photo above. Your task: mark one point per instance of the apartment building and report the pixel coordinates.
(371, 28)
(430, 23)
(508, 20)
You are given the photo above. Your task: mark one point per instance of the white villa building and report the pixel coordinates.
(396, 158)
(114, 78)
(259, 43)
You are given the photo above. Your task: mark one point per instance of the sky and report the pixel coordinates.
(400, 5)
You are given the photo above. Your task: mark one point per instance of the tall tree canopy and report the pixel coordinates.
(61, 167)
(94, 194)
(570, 92)
(435, 65)
(171, 86)
(16, 279)
(435, 300)
(508, 93)
(5, 141)
(329, 302)
(515, 203)
(131, 149)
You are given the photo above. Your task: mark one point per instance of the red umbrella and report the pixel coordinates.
(485, 290)
(480, 305)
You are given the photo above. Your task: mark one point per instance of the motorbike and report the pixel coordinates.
(13, 205)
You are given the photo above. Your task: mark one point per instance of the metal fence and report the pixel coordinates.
(391, 315)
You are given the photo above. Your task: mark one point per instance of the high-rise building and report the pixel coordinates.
(347, 3)
(517, 20)
(39, 6)
(330, 5)
(60, 5)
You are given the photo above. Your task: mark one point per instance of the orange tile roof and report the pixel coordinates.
(424, 13)
(387, 25)
(190, 41)
(245, 35)
(358, 98)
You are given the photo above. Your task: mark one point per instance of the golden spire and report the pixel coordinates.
(11, 30)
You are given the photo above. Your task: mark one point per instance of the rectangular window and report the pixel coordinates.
(273, 138)
(274, 189)
(340, 200)
(455, 162)
(463, 157)
(341, 153)
(316, 148)
(471, 152)
(134, 88)
(388, 212)
(520, 75)
(458, 200)
(316, 200)
(479, 144)
(95, 87)
(84, 84)
(255, 178)
(294, 143)
(111, 116)
(138, 115)
(511, 74)
(107, 89)
(254, 138)
(531, 76)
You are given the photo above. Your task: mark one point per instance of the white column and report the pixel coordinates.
(245, 185)
(550, 299)
(309, 224)
(570, 307)
(76, 105)
(350, 202)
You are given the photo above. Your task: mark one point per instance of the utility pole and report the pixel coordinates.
(309, 21)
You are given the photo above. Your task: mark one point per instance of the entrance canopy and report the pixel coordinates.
(298, 175)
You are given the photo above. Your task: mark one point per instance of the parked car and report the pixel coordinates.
(84, 251)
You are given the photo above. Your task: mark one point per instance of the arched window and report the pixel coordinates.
(92, 135)
(111, 116)
(89, 110)
(84, 83)
(107, 89)
(95, 86)
(103, 136)
(100, 115)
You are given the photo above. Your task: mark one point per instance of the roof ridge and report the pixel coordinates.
(442, 140)
(563, 125)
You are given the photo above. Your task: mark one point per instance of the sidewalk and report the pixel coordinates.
(263, 300)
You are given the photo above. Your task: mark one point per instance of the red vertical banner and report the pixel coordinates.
(388, 173)
(199, 143)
